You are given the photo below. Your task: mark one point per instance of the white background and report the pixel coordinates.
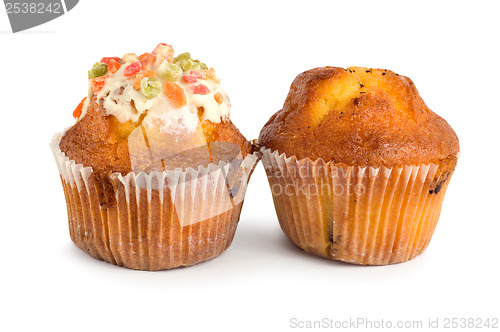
(449, 49)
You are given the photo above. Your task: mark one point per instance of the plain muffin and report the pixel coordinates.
(358, 165)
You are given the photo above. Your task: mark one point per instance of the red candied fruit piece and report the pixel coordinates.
(132, 68)
(113, 66)
(197, 74)
(200, 89)
(98, 83)
(188, 78)
(147, 59)
(78, 110)
(106, 59)
(193, 76)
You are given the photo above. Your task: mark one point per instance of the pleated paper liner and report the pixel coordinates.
(361, 215)
(154, 221)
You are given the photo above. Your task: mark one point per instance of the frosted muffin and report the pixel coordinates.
(154, 172)
(358, 165)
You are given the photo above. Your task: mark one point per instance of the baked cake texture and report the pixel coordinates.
(358, 165)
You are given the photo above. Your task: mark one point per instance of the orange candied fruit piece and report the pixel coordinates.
(149, 73)
(137, 81)
(98, 83)
(175, 94)
(210, 75)
(106, 59)
(218, 98)
(138, 78)
(78, 110)
(113, 66)
(163, 51)
(146, 59)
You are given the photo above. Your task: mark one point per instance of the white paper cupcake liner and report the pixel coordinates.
(154, 221)
(361, 215)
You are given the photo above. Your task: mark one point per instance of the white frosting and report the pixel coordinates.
(120, 99)
(180, 119)
(213, 111)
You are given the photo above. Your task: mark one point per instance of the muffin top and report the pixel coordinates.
(150, 113)
(358, 116)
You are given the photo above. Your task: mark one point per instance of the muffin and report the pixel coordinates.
(154, 172)
(358, 165)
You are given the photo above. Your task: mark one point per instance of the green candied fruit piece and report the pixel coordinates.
(182, 57)
(171, 72)
(184, 61)
(186, 64)
(201, 65)
(99, 69)
(150, 87)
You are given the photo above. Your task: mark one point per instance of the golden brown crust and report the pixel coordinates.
(226, 131)
(93, 142)
(358, 116)
(101, 142)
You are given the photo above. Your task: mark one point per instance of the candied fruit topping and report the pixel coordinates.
(170, 72)
(98, 70)
(154, 83)
(200, 89)
(163, 52)
(198, 74)
(78, 110)
(137, 80)
(218, 98)
(98, 83)
(193, 76)
(150, 87)
(190, 78)
(107, 59)
(158, 47)
(132, 69)
(210, 75)
(175, 94)
(147, 60)
(113, 66)
(139, 76)
(129, 57)
(184, 61)
(200, 64)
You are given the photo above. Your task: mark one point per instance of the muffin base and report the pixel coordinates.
(144, 234)
(360, 215)
(155, 221)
